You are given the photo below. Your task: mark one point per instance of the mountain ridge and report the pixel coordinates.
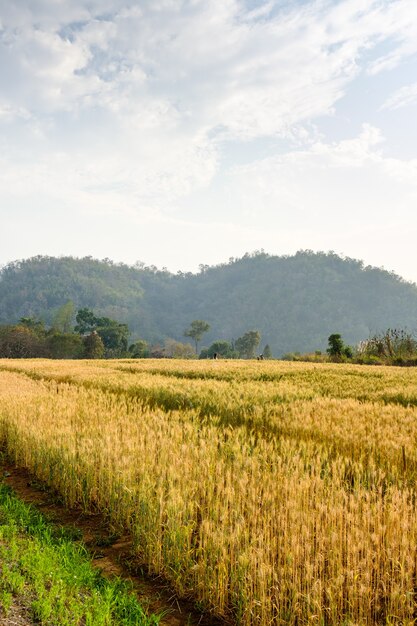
(294, 301)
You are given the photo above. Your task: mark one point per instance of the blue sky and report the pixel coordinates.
(181, 132)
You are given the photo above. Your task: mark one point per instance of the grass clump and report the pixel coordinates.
(45, 570)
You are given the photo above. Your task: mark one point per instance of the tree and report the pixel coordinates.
(157, 352)
(336, 345)
(86, 321)
(177, 350)
(63, 318)
(223, 349)
(267, 352)
(337, 349)
(247, 344)
(34, 325)
(114, 335)
(20, 342)
(64, 346)
(93, 346)
(196, 331)
(139, 349)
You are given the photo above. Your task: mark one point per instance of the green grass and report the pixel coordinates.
(44, 569)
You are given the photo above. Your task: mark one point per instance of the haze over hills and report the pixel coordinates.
(294, 301)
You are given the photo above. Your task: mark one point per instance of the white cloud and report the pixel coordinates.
(398, 24)
(216, 64)
(326, 178)
(118, 106)
(406, 96)
(347, 196)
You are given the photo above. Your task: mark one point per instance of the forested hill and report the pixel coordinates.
(295, 302)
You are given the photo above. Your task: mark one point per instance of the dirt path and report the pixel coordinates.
(113, 556)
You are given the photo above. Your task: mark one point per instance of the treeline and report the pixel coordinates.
(92, 338)
(97, 337)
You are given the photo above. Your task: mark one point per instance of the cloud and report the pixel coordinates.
(207, 64)
(115, 106)
(347, 196)
(397, 24)
(348, 183)
(406, 96)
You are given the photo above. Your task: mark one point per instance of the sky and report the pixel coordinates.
(186, 132)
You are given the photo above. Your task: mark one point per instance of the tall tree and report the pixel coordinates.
(64, 345)
(220, 348)
(267, 352)
(34, 325)
(20, 342)
(113, 334)
(63, 318)
(336, 345)
(337, 349)
(93, 346)
(139, 349)
(196, 330)
(86, 321)
(247, 344)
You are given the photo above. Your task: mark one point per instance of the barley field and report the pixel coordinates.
(269, 492)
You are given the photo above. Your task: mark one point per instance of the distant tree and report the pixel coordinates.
(177, 350)
(63, 318)
(139, 349)
(20, 342)
(93, 346)
(196, 331)
(36, 326)
(337, 349)
(86, 321)
(222, 349)
(348, 352)
(247, 344)
(64, 346)
(114, 335)
(336, 345)
(267, 352)
(157, 352)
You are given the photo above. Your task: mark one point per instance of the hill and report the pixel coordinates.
(294, 301)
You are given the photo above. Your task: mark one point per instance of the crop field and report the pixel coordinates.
(269, 492)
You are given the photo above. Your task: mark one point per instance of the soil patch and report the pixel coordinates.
(18, 615)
